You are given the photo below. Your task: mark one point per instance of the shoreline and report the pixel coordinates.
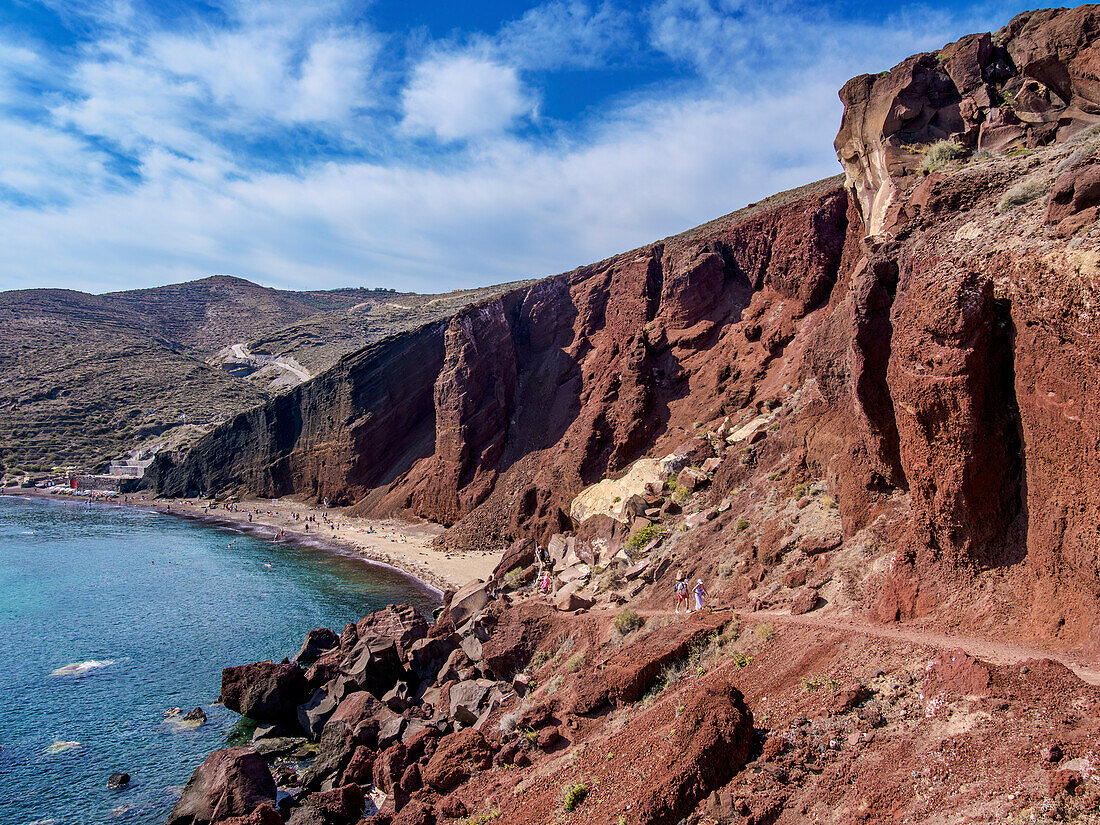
(396, 544)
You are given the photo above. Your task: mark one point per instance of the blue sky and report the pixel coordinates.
(421, 146)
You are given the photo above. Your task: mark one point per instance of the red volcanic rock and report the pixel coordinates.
(513, 641)
(1074, 191)
(317, 642)
(957, 674)
(361, 766)
(519, 555)
(453, 807)
(415, 812)
(400, 622)
(456, 759)
(804, 601)
(1043, 68)
(263, 815)
(232, 782)
(548, 737)
(388, 767)
(711, 742)
(340, 806)
(264, 691)
(629, 672)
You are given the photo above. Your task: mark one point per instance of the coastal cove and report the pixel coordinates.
(111, 616)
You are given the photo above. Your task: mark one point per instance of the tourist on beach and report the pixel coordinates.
(681, 590)
(700, 594)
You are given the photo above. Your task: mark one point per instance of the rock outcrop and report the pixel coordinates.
(1031, 83)
(231, 783)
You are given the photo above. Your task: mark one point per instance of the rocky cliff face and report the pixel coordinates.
(924, 347)
(495, 420)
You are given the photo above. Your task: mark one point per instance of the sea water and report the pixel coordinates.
(110, 617)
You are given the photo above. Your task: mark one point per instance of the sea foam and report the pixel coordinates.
(79, 668)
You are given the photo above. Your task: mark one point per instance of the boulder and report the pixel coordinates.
(118, 780)
(361, 766)
(374, 664)
(398, 698)
(427, 656)
(519, 555)
(569, 599)
(467, 698)
(231, 783)
(349, 637)
(1075, 191)
(400, 622)
(415, 812)
(340, 806)
(457, 758)
(263, 815)
(468, 600)
(712, 741)
(316, 642)
(548, 737)
(265, 691)
(804, 601)
(388, 767)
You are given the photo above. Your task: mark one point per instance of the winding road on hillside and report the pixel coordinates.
(241, 351)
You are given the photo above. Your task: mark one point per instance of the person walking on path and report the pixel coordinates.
(700, 594)
(681, 591)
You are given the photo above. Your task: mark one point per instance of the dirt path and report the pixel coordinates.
(998, 653)
(241, 351)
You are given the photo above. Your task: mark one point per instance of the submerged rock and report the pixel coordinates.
(118, 780)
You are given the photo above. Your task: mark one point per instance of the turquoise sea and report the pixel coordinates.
(148, 608)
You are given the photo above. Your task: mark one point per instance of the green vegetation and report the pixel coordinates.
(940, 154)
(643, 537)
(681, 494)
(1023, 192)
(764, 632)
(515, 578)
(628, 621)
(575, 663)
(742, 660)
(530, 735)
(575, 794)
(812, 683)
(483, 818)
(742, 524)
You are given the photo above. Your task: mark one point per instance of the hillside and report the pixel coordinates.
(863, 415)
(85, 377)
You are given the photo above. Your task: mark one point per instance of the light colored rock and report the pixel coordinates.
(749, 430)
(467, 601)
(643, 477)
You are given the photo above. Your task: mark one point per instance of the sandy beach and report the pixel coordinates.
(404, 545)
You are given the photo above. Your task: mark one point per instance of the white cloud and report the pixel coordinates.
(462, 95)
(495, 205)
(564, 35)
